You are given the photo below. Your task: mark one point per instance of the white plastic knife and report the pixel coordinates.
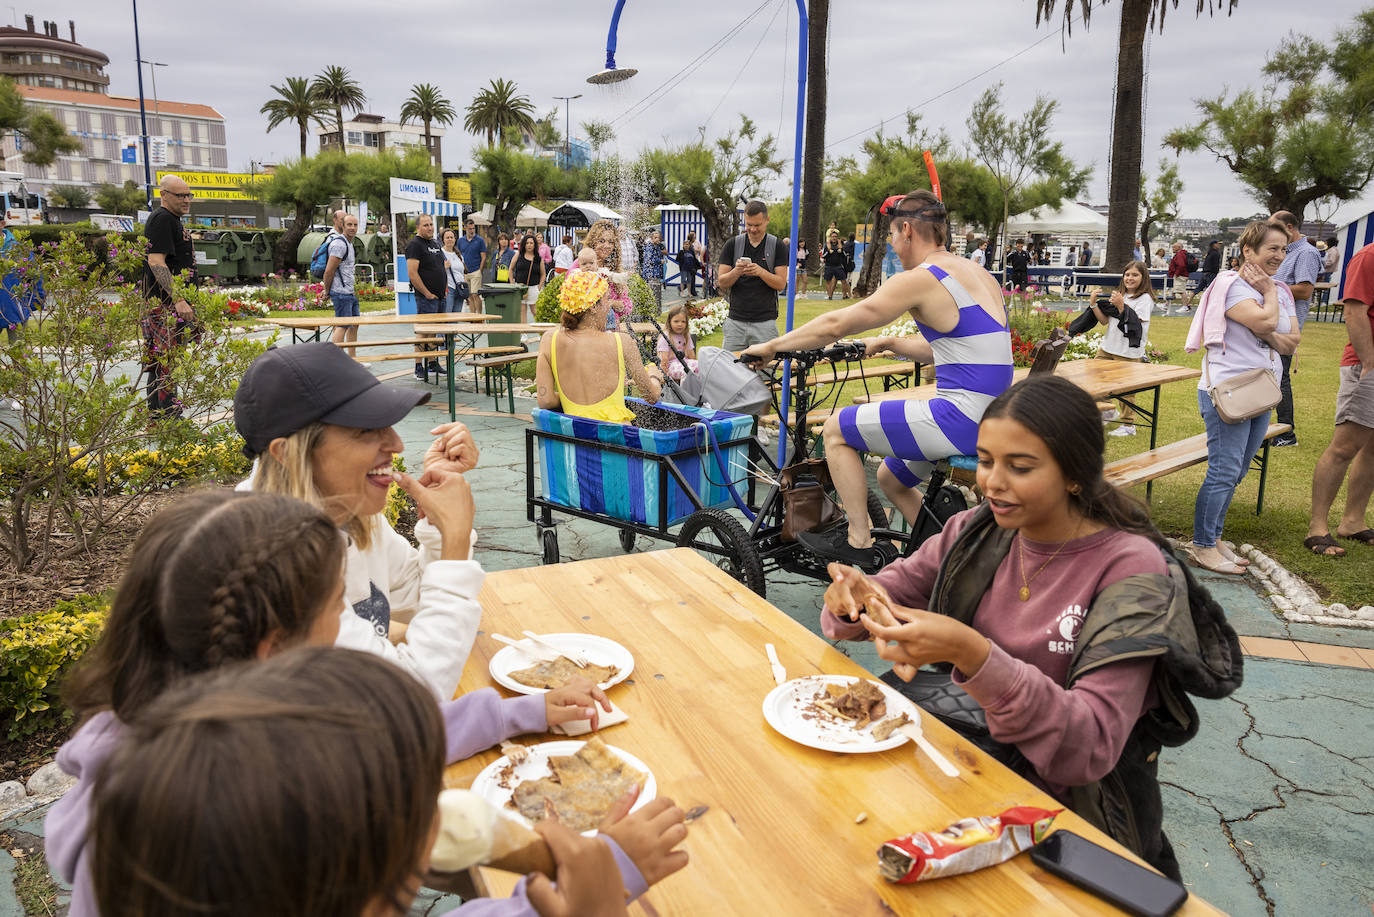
(913, 732)
(779, 673)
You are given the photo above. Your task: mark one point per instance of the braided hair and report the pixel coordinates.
(211, 577)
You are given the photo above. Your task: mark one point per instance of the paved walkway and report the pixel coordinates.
(1269, 807)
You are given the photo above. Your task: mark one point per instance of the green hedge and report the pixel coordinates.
(36, 652)
(546, 307)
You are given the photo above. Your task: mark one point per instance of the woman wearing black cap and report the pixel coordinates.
(319, 427)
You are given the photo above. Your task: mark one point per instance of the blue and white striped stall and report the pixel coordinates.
(410, 196)
(1350, 238)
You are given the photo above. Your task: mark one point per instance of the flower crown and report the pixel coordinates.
(581, 290)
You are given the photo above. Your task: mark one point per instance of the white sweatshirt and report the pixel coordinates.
(437, 600)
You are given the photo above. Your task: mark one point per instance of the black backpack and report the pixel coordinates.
(1190, 261)
(770, 250)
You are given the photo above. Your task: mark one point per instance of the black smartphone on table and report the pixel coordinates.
(1112, 877)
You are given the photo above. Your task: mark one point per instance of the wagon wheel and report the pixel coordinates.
(548, 540)
(715, 533)
(877, 513)
(627, 540)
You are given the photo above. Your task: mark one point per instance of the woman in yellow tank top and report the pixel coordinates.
(591, 357)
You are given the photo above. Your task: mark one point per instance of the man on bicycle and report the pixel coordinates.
(958, 308)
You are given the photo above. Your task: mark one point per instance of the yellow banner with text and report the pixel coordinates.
(220, 186)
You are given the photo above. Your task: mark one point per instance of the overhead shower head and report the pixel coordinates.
(612, 75)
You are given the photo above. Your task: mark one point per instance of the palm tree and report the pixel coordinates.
(295, 103)
(813, 153)
(334, 85)
(497, 109)
(427, 105)
(1123, 186)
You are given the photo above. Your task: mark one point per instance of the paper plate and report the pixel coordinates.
(600, 650)
(787, 708)
(487, 784)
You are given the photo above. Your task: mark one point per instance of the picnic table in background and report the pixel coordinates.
(470, 333)
(318, 324)
(777, 830)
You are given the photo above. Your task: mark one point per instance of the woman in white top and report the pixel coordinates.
(1131, 297)
(453, 273)
(1261, 323)
(320, 427)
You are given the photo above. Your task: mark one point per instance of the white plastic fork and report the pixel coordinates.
(537, 652)
(573, 656)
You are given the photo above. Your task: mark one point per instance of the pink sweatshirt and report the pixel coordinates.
(1071, 736)
(472, 722)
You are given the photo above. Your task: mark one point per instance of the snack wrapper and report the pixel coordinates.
(965, 846)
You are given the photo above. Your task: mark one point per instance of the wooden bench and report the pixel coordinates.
(1165, 460)
(816, 420)
(501, 364)
(398, 342)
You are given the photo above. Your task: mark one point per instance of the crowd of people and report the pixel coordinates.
(275, 683)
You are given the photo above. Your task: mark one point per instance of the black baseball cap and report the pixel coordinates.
(289, 388)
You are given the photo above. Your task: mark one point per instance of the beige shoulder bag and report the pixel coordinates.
(1243, 396)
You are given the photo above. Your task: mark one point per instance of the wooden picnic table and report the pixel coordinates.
(318, 324)
(1101, 379)
(470, 333)
(779, 833)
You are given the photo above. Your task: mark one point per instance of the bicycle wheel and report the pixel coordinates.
(724, 541)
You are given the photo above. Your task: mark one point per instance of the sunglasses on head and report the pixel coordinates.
(926, 212)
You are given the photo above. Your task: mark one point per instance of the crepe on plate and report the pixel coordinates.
(581, 787)
(558, 672)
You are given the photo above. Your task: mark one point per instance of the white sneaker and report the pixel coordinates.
(1126, 429)
(1110, 414)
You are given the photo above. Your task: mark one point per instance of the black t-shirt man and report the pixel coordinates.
(168, 236)
(752, 300)
(426, 257)
(834, 258)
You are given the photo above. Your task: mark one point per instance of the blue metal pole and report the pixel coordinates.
(796, 215)
(610, 39)
(143, 115)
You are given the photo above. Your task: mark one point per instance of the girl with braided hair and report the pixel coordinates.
(308, 785)
(220, 578)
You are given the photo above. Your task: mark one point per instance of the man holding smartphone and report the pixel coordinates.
(753, 270)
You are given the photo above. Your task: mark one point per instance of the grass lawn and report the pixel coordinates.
(1280, 530)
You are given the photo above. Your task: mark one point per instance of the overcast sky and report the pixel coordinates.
(921, 49)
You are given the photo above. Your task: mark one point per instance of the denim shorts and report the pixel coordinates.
(345, 305)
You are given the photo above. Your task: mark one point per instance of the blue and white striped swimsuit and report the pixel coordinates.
(972, 367)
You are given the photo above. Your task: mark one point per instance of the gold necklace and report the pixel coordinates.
(1024, 592)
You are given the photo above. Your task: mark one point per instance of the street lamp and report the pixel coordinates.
(157, 108)
(614, 74)
(143, 115)
(567, 127)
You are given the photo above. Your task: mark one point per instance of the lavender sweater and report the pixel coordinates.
(472, 722)
(1071, 735)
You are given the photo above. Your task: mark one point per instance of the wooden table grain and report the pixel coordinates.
(779, 834)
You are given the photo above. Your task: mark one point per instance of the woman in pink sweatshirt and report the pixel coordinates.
(1060, 608)
(222, 577)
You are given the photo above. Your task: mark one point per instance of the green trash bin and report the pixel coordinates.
(503, 299)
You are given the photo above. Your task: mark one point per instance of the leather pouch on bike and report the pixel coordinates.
(806, 507)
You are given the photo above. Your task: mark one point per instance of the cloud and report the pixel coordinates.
(884, 56)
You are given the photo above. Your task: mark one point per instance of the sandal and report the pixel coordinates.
(1363, 537)
(1320, 545)
(1225, 566)
(1228, 551)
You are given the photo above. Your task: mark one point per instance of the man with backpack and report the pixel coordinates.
(752, 271)
(340, 259)
(1181, 267)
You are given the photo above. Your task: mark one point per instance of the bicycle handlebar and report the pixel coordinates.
(841, 350)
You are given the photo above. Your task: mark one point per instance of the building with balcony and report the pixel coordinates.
(183, 136)
(46, 59)
(366, 133)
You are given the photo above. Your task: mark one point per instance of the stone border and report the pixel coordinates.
(1296, 600)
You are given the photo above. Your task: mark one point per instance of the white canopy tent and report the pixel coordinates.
(582, 214)
(529, 217)
(1068, 218)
